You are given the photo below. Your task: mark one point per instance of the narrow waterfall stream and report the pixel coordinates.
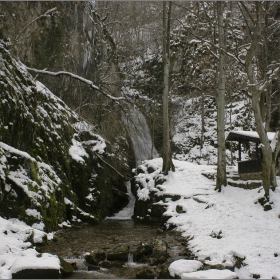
(140, 135)
(127, 212)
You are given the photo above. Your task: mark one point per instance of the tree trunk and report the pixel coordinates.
(256, 93)
(166, 151)
(221, 164)
(202, 122)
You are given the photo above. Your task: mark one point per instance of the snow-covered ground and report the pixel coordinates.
(220, 226)
(17, 252)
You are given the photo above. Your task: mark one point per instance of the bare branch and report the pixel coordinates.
(90, 83)
(109, 165)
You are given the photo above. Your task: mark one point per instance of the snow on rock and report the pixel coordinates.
(223, 228)
(77, 152)
(16, 252)
(210, 274)
(184, 266)
(45, 261)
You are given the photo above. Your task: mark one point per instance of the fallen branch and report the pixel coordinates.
(109, 165)
(74, 76)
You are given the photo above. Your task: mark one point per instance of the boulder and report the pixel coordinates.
(45, 266)
(95, 257)
(160, 245)
(37, 274)
(118, 253)
(143, 252)
(65, 267)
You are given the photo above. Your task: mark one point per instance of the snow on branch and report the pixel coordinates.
(74, 76)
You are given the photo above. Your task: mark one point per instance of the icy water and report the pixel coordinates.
(71, 244)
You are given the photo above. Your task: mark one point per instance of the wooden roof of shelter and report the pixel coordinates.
(247, 135)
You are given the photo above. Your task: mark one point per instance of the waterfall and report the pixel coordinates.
(127, 212)
(130, 258)
(140, 135)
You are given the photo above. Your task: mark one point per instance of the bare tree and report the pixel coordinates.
(256, 88)
(221, 164)
(166, 150)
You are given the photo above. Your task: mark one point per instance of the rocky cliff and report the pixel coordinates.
(54, 168)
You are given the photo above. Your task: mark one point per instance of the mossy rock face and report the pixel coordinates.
(37, 131)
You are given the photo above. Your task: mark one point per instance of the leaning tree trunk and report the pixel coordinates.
(254, 89)
(166, 150)
(221, 164)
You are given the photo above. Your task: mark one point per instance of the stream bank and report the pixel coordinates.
(118, 249)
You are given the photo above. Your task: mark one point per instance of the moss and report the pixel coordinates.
(34, 172)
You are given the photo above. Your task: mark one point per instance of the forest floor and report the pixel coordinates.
(224, 228)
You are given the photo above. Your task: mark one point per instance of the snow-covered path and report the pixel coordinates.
(225, 225)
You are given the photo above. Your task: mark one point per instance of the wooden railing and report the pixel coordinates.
(250, 166)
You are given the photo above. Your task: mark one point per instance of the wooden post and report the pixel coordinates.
(239, 148)
(257, 149)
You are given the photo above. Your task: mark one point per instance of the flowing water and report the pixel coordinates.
(71, 244)
(140, 135)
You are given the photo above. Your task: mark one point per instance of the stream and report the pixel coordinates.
(120, 230)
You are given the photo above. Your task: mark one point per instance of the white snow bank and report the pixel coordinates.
(210, 274)
(15, 250)
(222, 226)
(183, 266)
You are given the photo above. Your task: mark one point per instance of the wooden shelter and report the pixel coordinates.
(253, 165)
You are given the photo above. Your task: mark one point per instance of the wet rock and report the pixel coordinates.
(180, 209)
(95, 257)
(120, 199)
(37, 274)
(118, 253)
(151, 169)
(157, 258)
(160, 245)
(65, 267)
(143, 252)
(145, 273)
(140, 169)
(160, 179)
(159, 255)
(163, 272)
(111, 264)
